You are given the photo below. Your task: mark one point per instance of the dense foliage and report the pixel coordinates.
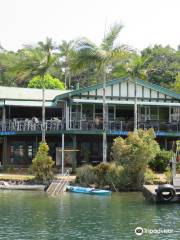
(48, 81)
(42, 164)
(150, 177)
(129, 169)
(108, 175)
(82, 61)
(134, 153)
(161, 161)
(113, 176)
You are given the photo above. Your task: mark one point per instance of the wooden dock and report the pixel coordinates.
(150, 194)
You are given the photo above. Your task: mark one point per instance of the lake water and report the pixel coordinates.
(34, 215)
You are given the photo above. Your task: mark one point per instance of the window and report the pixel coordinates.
(76, 112)
(111, 113)
(21, 153)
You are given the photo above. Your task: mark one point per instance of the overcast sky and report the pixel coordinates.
(146, 22)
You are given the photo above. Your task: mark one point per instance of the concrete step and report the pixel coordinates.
(176, 181)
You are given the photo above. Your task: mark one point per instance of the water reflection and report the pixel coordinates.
(34, 215)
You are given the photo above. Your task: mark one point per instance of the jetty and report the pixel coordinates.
(33, 187)
(166, 192)
(151, 195)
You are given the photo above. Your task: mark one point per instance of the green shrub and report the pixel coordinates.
(116, 177)
(85, 175)
(101, 171)
(103, 175)
(134, 153)
(168, 175)
(42, 164)
(161, 161)
(30, 170)
(9, 169)
(150, 177)
(178, 167)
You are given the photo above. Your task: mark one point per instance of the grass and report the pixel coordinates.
(27, 177)
(19, 177)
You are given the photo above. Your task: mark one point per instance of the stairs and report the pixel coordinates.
(58, 186)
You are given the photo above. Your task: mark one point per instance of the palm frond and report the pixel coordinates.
(109, 38)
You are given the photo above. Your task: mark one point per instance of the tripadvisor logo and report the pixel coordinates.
(139, 231)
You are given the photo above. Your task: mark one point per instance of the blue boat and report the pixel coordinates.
(86, 190)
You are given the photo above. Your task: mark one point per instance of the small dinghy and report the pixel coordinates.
(86, 190)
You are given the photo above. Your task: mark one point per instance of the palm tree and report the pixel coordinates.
(38, 60)
(104, 56)
(66, 53)
(135, 69)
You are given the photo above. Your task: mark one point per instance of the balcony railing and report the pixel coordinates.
(22, 125)
(31, 125)
(125, 125)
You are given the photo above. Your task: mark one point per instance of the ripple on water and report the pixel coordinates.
(34, 215)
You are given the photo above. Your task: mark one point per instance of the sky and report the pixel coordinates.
(146, 22)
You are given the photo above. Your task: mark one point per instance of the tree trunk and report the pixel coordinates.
(43, 116)
(104, 119)
(65, 79)
(135, 105)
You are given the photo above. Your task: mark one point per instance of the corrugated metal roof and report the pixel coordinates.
(16, 93)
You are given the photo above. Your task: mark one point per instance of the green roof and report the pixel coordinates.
(27, 96)
(115, 81)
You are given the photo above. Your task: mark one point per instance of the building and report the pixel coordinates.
(78, 114)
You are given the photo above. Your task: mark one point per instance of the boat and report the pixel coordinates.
(6, 186)
(86, 190)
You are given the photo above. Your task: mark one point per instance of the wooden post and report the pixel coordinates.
(93, 112)
(36, 144)
(4, 155)
(74, 163)
(170, 114)
(135, 105)
(43, 115)
(165, 143)
(104, 119)
(4, 119)
(67, 116)
(62, 154)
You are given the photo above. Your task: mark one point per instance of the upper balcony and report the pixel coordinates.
(125, 125)
(55, 125)
(31, 125)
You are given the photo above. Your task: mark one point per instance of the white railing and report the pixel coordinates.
(125, 125)
(57, 125)
(30, 125)
(60, 184)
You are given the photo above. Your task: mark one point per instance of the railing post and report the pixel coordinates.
(62, 152)
(67, 116)
(4, 119)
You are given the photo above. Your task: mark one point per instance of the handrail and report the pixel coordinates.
(62, 181)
